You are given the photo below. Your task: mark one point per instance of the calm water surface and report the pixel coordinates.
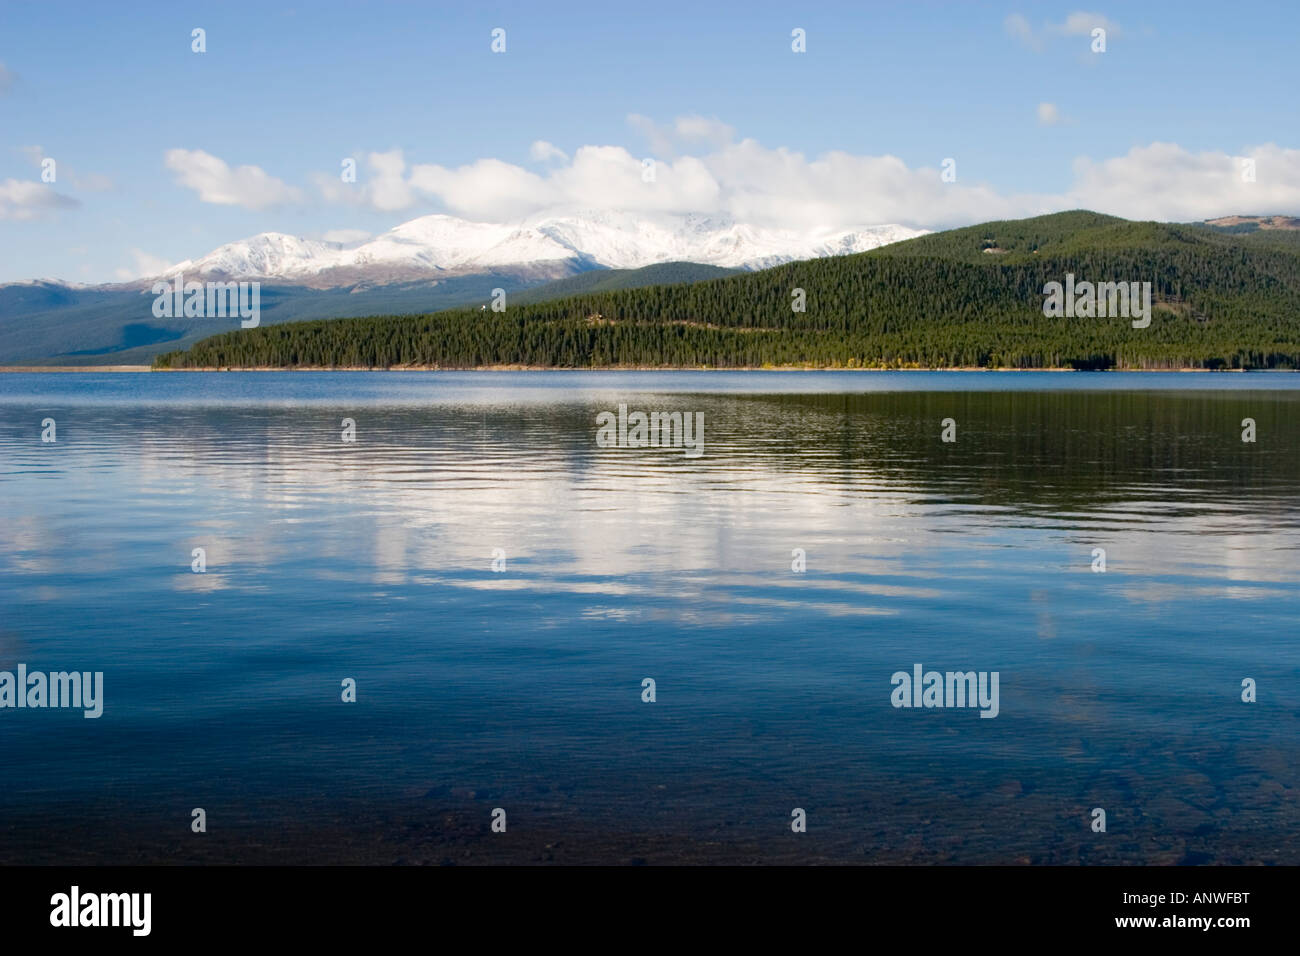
(522, 689)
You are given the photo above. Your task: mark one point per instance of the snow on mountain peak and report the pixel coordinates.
(441, 243)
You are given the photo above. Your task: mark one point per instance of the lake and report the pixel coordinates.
(498, 587)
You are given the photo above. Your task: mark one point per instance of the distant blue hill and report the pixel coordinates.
(46, 323)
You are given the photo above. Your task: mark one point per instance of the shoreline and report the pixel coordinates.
(28, 369)
(439, 828)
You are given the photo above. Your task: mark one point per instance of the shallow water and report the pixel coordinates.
(521, 689)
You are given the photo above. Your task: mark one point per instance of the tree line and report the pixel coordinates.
(944, 300)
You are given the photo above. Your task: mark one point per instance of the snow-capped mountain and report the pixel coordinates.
(548, 246)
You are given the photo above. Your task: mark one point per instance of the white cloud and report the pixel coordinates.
(783, 188)
(658, 138)
(144, 266)
(701, 129)
(1079, 23)
(384, 187)
(216, 183)
(487, 189)
(26, 199)
(93, 182)
(743, 180)
(1017, 26)
(1164, 181)
(685, 131)
(346, 236)
(597, 177)
(7, 79)
(542, 152)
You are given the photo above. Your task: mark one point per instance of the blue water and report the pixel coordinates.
(521, 689)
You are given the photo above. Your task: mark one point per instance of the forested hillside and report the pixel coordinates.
(966, 297)
(611, 280)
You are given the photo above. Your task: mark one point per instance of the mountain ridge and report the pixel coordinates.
(50, 324)
(1216, 299)
(548, 247)
(425, 264)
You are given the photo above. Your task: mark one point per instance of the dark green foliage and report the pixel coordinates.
(609, 280)
(1221, 301)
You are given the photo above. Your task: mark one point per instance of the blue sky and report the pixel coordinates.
(148, 136)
